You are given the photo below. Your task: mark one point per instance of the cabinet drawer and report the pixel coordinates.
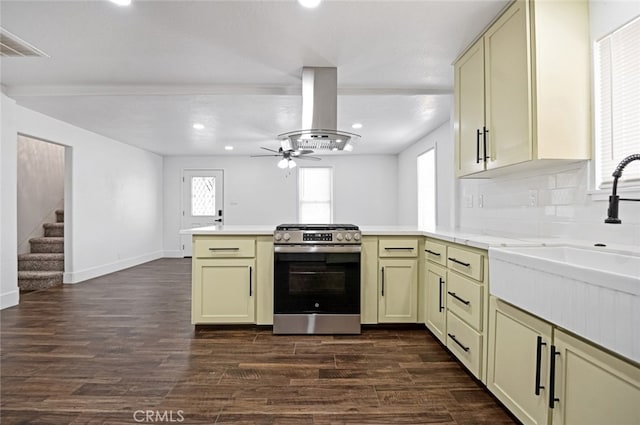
(466, 262)
(398, 248)
(465, 343)
(464, 298)
(225, 248)
(435, 252)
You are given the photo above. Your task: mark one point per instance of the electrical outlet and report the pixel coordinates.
(533, 198)
(480, 201)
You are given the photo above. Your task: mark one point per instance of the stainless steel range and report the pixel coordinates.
(316, 279)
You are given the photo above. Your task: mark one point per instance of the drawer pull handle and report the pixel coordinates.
(399, 248)
(225, 249)
(460, 262)
(539, 345)
(432, 252)
(552, 377)
(453, 337)
(463, 301)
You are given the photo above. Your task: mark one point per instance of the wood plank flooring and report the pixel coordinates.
(120, 349)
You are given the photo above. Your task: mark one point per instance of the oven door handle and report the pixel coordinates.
(298, 249)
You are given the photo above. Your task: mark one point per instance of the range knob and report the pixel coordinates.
(348, 236)
(356, 236)
(286, 236)
(339, 236)
(278, 236)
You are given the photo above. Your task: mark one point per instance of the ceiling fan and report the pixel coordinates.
(288, 156)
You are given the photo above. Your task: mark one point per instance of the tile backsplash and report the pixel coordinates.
(554, 202)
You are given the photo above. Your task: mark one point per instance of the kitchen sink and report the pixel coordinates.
(591, 291)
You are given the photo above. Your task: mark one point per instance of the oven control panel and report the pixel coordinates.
(317, 237)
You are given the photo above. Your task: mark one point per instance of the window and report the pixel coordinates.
(427, 190)
(617, 101)
(315, 195)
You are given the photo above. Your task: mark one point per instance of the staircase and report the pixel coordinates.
(44, 266)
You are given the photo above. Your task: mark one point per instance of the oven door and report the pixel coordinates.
(317, 282)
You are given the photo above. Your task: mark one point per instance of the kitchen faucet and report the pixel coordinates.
(612, 212)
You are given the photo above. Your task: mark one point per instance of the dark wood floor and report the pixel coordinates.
(121, 347)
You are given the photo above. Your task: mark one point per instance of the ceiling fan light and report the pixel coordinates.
(283, 163)
(292, 163)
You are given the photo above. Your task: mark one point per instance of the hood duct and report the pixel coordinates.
(319, 115)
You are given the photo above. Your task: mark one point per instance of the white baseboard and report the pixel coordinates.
(173, 254)
(9, 299)
(82, 275)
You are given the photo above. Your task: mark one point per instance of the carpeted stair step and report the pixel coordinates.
(53, 229)
(34, 280)
(60, 216)
(47, 245)
(41, 262)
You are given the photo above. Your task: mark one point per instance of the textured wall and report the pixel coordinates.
(40, 187)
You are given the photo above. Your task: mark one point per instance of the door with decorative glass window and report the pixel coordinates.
(202, 192)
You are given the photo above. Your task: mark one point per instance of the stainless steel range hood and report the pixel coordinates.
(319, 114)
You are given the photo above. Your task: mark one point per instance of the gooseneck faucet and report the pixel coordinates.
(614, 199)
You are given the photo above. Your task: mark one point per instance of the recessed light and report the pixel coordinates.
(198, 126)
(356, 125)
(228, 148)
(309, 3)
(121, 2)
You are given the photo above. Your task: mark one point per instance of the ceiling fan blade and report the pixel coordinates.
(313, 158)
(271, 150)
(301, 152)
(257, 156)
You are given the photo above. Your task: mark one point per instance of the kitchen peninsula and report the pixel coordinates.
(442, 281)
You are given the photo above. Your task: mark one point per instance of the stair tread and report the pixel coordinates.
(59, 211)
(42, 256)
(53, 225)
(48, 239)
(36, 274)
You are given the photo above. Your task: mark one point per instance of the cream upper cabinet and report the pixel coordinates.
(522, 91)
(593, 387)
(518, 367)
(469, 104)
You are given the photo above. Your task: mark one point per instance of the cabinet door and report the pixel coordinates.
(436, 314)
(508, 88)
(223, 291)
(398, 291)
(517, 370)
(593, 387)
(469, 108)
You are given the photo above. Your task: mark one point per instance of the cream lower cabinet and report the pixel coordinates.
(436, 290)
(593, 387)
(223, 280)
(544, 375)
(518, 367)
(397, 280)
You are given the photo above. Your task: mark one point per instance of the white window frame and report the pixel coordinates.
(601, 189)
(299, 189)
(421, 224)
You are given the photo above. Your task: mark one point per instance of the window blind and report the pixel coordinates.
(315, 195)
(617, 114)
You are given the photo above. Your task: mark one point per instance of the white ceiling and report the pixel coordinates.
(144, 74)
